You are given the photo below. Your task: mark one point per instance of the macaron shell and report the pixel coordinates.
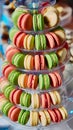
(49, 61)
(53, 98)
(34, 82)
(19, 22)
(25, 117)
(19, 40)
(53, 79)
(59, 117)
(47, 116)
(16, 96)
(16, 36)
(50, 40)
(62, 113)
(58, 77)
(58, 97)
(11, 95)
(11, 53)
(56, 38)
(8, 70)
(27, 22)
(10, 111)
(53, 115)
(41, 82)
(15, 114)
(43, 118)
(44, 103)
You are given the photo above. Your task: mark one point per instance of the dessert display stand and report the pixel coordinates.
(66, 75)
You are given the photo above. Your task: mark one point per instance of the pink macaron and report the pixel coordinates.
(39, 62)
(10, 53)
(50, 40)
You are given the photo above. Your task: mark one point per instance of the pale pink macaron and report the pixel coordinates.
(39, 62)
(10, 53)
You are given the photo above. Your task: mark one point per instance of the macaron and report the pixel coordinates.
(13, 77)
(34, 118)
(52, 115)
(53, 79)
(7, 91)
(18, 60)
(59, 78)
(56, 39)
(18, 39)
(10, 53)
(6, 107)
(35, 97)
(63, 112)
(23, 117)
(4, 84)
(12, 32)
(59, 117)
(40, 42)
(25, 99)
(45, 100)
(16, 15)
(29, 42)
(49, 61)
(15, 96)
(53, 98)
(7, 69)
(22, 80)
(43, 118)
(13, 113)
(44, 82)
(50, 41)
(25, 22)
(38, 22)
(29, 62)
(62, 54)
(51, 16)
(32, 82)
(60, 32)
(47, 117)
(39, 62)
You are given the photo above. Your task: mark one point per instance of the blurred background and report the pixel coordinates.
(7, 7)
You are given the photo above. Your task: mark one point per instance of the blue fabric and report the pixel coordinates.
(1, 49)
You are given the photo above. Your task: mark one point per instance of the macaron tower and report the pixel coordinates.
(33, 70)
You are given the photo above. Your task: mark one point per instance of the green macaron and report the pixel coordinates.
(49, 61)
(41, 82)
(43, 41)
(35, 27)
(13, 77)
(21, 98)
(12, 32)
(7, 91)
(6, 108)
(27, 100)
(20, 115)
(16, 15)
(40, 42)
(40, 21)
(25, 117)
(37, 42)
(18, 60)
(46, 81)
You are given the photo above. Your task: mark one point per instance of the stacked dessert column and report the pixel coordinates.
(33, 70)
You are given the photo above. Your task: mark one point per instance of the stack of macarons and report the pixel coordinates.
(45, 100)
(30, 81)
(48, 40)
(23, 116)
(34, 62)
